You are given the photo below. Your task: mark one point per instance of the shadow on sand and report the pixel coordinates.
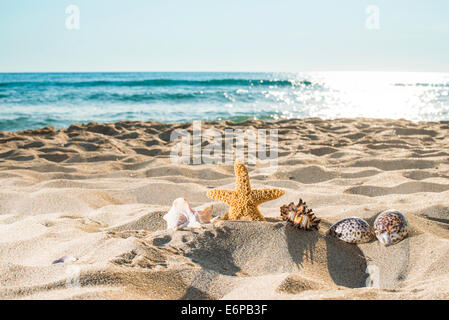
(278, 247)
(346, 263)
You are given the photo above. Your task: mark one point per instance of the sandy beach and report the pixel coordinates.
(97, 193)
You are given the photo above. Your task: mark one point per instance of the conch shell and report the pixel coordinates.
(182, 215)
(300, 216)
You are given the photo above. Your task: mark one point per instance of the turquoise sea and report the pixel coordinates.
(33, 100)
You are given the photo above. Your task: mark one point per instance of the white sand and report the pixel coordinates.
(98, 193)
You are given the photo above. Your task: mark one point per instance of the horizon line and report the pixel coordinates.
(216, 71)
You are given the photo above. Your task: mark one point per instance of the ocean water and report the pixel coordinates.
(34, 100)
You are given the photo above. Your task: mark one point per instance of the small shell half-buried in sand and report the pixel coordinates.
(352, 230)
(65, 259)
(390, 226)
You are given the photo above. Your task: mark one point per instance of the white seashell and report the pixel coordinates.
(391, 226)
(181, 215)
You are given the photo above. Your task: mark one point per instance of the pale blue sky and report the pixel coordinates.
(226, 35)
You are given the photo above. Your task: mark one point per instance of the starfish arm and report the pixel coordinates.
(262, 195)
(226, 196)
(242, 184)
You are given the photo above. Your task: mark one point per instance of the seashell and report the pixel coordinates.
(204, 216)
(391, 226)
(300, 216)
(65, 259)
(352, 230)
(181, 215)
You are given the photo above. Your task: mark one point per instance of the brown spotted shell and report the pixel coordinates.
(352, 230)
(391, 226)
(300, 216)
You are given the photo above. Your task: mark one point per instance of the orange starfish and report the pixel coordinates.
(243, 201)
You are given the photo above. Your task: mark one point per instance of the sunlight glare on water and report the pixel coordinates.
(414, 96)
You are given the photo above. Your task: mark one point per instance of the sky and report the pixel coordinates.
(209, 35)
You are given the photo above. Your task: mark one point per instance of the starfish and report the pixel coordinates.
(243, 201)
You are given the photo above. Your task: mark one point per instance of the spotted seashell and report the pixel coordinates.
(181, 215)
(352, 230)
(300, 216)
(390, 226)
